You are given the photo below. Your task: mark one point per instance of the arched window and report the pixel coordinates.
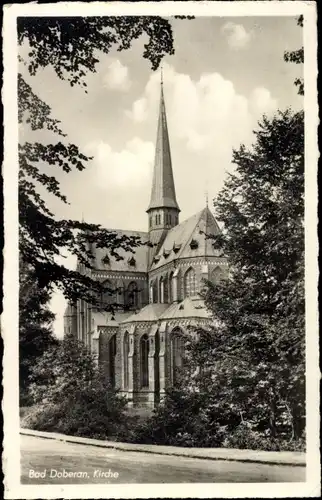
(108, 296)
(177, 354)
(166, 290)
(155, 292)
(171, 288)
(217, 274)
(111, 355)
(132, 295)
(157, 368)
(144, 360)
(190, 283)
(161, 290)
(126, 360)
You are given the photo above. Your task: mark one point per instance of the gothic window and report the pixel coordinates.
(82, 317)
(165, 290)
(156, 367)
(132, 295)
(112, 353)
(108, 297)
(144, 361)
(190, 283)
(171, 288)
(155, 292)
(161, 290)
(126, 360)
(156, 220)
(169, 219)
(177, 354)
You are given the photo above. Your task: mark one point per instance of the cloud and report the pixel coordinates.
(208, 114)
(237, 36)
(129, 168)
(139, 110)
(261, 101)
(117, 76)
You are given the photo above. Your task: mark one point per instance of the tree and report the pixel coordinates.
(71, 47)
(297, 57)
(261, 306)
(72, 396)
(247, 371)
(35, 328)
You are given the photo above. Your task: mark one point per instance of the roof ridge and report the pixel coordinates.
(126, 230)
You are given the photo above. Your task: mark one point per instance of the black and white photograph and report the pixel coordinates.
(160, 261)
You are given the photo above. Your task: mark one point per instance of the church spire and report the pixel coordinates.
(163, 209)
(163, 194)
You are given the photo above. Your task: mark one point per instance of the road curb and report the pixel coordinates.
(294, 459)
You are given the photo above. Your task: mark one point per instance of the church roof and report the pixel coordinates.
(190, 307)
(151, 312)
(131, 262)
(163, 191)
(185, 240)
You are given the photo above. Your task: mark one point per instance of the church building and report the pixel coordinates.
(157, 288)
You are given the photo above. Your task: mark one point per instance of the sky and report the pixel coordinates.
(225, 74)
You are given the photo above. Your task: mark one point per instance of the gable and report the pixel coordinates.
(187, 240)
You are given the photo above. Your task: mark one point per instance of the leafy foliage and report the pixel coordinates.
(72, 396)
(247, 373)
(35, 328)
(70, 46)
(297, 57)
(182, 419)
(261, 307)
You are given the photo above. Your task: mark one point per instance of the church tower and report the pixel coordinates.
(163, 209)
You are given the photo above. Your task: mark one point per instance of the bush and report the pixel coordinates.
(244, 437)
(179, 421)
(189, 419)
(72, 396)
(93, 412)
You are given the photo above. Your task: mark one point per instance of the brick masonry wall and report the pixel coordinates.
(183, 267)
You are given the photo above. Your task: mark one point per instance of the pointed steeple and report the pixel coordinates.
(163, 194)
(163, 208)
